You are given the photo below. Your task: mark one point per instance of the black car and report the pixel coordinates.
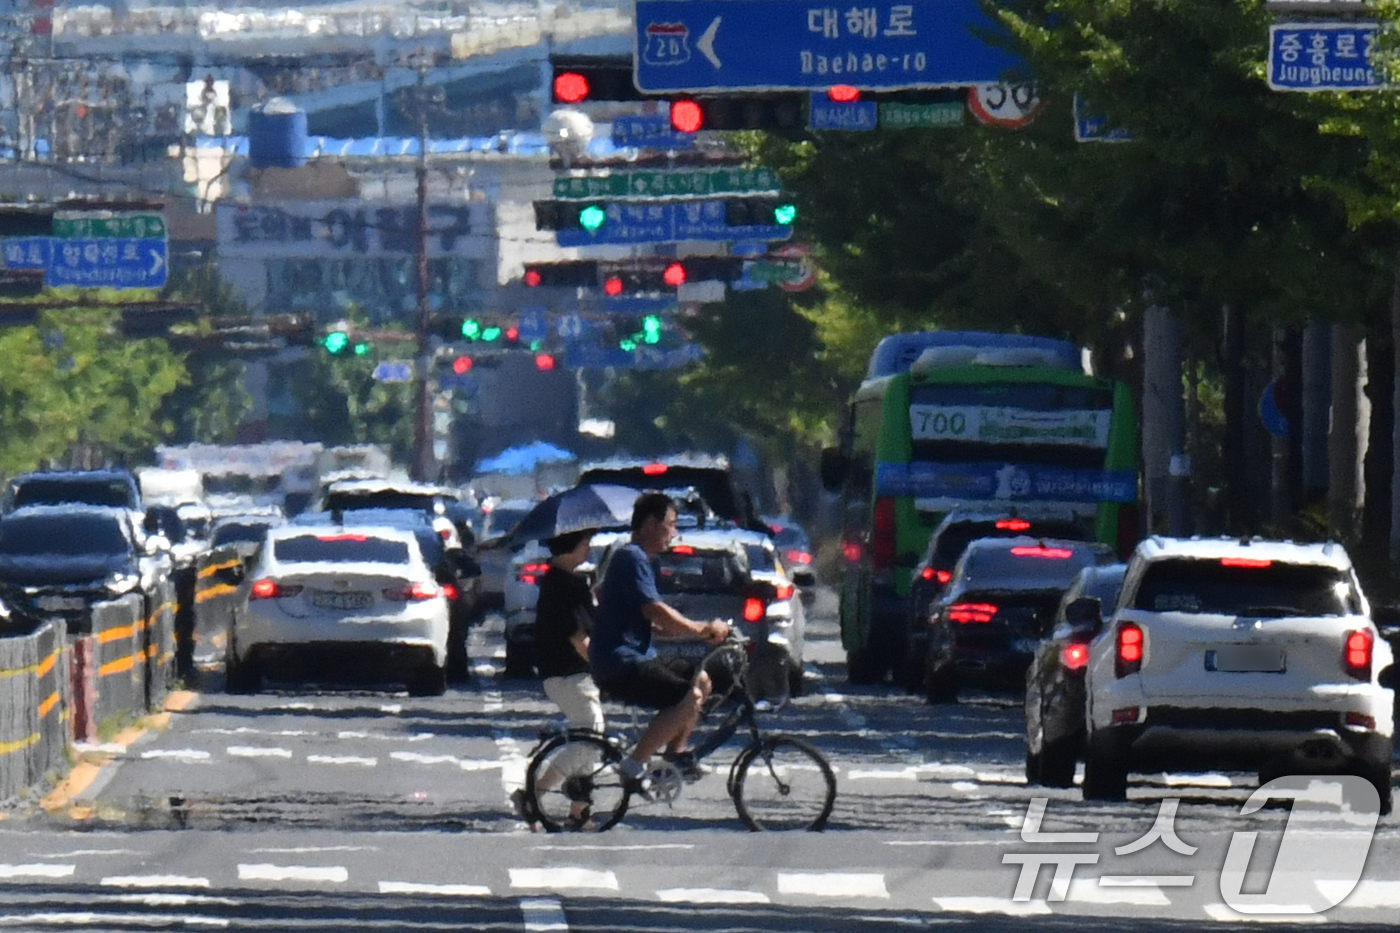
(1055, 679)
(997, 607)
(113, 488)
(946, 545)
(795, 547)
(56, 561)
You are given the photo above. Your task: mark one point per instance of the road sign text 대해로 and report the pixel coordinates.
(706, 45)
(1322, 57)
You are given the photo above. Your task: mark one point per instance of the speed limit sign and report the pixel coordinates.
(1009, 105)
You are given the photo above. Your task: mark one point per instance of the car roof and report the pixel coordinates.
(384, 485)
(1328, 554)
(696, 460)
(101, 473)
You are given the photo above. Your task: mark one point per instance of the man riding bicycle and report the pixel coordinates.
(623, 661)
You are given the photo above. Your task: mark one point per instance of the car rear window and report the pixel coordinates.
(759, 558)
(341, 548)
(1052, 565)
(954, 539)
(389, 499)
(110, 493)
(698, 572)
(1260, 588)
(66, 535)
(240, 533)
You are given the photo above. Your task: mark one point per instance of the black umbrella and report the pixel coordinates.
(579, 509)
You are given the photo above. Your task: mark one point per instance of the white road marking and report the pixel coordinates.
(263, 872)
(513, 762)
(387, 737)
(90, 918)
(393, 709)
(1001, 777)
(563, 877)
(342, 760)
(623, 848)
(992, 905)
(936, 770)
(449, 890)
(493, 702)
(832, 884)
(1089, 891)
(910, 773)
(296, 705)
(1225, 913)
(104, 748)
(37, 871)
(301, 850)
(480, 764)
(249, 730)
(1146, 881)
(710, 896)
(420, 759)
(968, 842)
(249, 751)
(154, 881)
(965, 786)
(543, 915)
(1365, 894)
(175, 900)
(179, 754)
(1184, 780)
(77, 852)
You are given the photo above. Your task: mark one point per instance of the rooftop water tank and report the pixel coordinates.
(277, 135)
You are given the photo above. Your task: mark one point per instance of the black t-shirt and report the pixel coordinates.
(564, 609)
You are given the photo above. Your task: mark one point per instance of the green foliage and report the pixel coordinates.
(210, 401)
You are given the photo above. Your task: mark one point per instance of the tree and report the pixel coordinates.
(211, 400)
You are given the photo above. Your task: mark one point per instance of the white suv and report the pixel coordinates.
(1249, 654)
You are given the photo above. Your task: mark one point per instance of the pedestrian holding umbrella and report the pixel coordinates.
(581, 508)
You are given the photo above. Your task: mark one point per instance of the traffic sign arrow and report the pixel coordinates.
(706, 43)
(156, 263)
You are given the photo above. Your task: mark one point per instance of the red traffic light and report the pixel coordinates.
(462, 365)
(512, 333)
(532, 278)
(612, 285)
(844, 94)
(686, 116)
(544, 362)
(674, 274)
(570, 87)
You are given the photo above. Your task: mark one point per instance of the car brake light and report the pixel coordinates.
(851, 551)
(1361, 719)
(449, 591)
(444, 533)
(785, 591)
(1244, 562)
(530, 574)
(1014, 524)
(1074, 656)
(416, 592)
(926, 573)
(682, 549)
(1052, 553)
(654, 469)
(753, 609)
(798, 557)
(266, 589)
(971, 612)
(342, 537)
(882, 535)
(943, 576)
(1129, 659)
(1357, 657)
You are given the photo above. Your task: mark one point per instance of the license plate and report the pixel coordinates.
(692, 650)
(328, 600)
(59, 603)
(1258, 659)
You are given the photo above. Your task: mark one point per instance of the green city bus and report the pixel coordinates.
(993, 420)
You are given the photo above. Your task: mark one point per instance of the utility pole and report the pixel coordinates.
(423, 461)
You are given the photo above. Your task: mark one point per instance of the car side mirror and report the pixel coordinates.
(834, 467)
(1086, 612)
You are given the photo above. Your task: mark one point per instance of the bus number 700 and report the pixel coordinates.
(937, 423)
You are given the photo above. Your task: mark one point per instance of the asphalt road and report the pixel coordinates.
(330, 808)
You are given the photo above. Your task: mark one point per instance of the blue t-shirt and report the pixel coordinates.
(621, 637)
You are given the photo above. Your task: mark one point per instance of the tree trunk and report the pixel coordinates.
(1162, 420)
(1345, 439)
(1239, 515)
(1317, 397)
(1379, 462)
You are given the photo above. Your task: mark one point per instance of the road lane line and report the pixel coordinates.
(342, 760)
(420, 759)
(393, 709)
(264, 872)
(250, 751)
(77, 852)
(543, 915)
(833, 884)
(302, 850)
(992, 905)
(910, 773)
(492, 701)
(175, 900)
(711, 896)
(179, 754)
(154, 881)
(113, 921)
(37, 871)
(448, 890)
(638, 847)
(563, 877)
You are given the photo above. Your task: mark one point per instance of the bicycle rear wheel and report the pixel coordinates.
(574, 783)
(783, 783)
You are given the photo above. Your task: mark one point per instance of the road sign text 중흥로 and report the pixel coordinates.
(1322, 57)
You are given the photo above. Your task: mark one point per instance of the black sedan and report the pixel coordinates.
(1055, 679)
(997, 607)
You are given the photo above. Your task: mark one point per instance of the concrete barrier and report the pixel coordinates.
(33, 712)
(214, 598)
(119, 654)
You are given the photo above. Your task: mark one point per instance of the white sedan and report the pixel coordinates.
(343, 604)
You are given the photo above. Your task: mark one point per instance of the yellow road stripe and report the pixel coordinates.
(41, 668)
(221, 589)
(48, 704)
(212, 569)
(18, 745)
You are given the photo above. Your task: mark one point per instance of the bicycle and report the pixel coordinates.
(777, 782)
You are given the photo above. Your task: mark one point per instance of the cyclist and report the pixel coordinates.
(621, 655)
(563, 617)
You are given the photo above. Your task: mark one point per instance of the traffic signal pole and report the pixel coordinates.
(423, 465)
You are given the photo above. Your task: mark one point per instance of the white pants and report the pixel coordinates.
(577, 696)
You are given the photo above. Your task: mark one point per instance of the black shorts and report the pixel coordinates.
(657, 683)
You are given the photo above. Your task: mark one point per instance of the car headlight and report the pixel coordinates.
(119, 583)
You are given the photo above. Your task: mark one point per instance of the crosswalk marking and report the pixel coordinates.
(154, 881)
(833, 884)
(89, 918)
(342, 760)
(543, 915)
(37, 871)
(264, 872)
(992, 905)
(1090, 891)
(563, 877)
(252, 751)
(178, 754)
(710, 896)
(449, 890)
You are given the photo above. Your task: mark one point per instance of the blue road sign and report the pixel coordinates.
(27, 252)
(1093, 128)
(639, 305)
(664, 223)
(533, 327)
(1322, 57)
(823, 113)
(108, 262)
(649, 132)
(705, 45)
(397, 371)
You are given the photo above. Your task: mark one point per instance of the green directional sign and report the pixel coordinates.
(920, 116)
(775, 272)
(703, 183)
(119, 227)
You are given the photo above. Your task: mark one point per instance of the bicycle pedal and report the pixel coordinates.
(666, 783)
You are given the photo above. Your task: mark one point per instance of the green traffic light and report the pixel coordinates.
(591, 217)
(627, 344)
(491, 333)
(471, 329)
(536, 344)
(361, 349)
(651, 329)
(336, 341)
(785, 213)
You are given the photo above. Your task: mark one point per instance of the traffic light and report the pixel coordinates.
(713, 268)
(361, 349)
(572, 274)
(544, 362)
(491, 333)
(336, 341)
(553, 214)
(462, 365)
(578, 80)
(471, 329)
(612, 286)
(687, 117)
(651, 329)
(759, 211)
(674, 275)
(775, 111)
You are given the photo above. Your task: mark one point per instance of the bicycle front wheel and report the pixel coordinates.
(574, 784)
(783, 783)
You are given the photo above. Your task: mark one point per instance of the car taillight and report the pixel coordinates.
(271, 589)
(530, 574)
(1014, 524)
(444, 533)
(754, 609)
(882, 534)
(971, 612)
(1074, 656)
(1129, 657)
(797, 557)
(851, 551)
(449, 591)
(1049, 553)
(416, 592)
(785, 590)
(1357, 656)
